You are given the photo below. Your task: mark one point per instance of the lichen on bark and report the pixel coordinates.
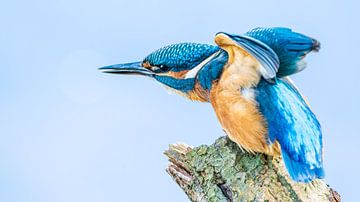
(223, 172)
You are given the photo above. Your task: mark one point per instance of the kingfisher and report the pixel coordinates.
(246, 80)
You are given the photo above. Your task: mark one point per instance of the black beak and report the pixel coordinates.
(128, 68)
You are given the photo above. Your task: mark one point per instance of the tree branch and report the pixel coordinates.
(223, 172)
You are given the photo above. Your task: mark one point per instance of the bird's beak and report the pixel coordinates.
(127, 68)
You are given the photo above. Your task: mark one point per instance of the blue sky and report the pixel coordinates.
(69, 133)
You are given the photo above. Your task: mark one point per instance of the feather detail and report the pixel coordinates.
(291, 47)
(261, 52)
(292, 123)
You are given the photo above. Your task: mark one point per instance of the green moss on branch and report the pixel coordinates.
(223, 172)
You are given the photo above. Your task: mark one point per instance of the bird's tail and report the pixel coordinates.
(301, 172)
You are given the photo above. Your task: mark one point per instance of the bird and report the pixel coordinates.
(245, 77)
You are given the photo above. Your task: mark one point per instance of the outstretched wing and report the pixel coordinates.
(292, 123)
(261, 52)
(291, 47)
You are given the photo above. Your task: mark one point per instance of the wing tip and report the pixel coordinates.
(316, 45)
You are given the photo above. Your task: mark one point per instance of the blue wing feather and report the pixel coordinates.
(292, 123)
(291, 47)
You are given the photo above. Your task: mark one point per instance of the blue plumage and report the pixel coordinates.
(292, 123)
(185, 56)
(212, 70)
(182, 56)
(291, 47)
(209, 72)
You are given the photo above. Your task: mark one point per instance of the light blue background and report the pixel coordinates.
(69, 133)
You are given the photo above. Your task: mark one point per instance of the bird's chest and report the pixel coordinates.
(233, 99)
(235, 88)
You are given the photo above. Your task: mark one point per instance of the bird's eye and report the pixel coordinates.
(159, 68)
(164, 68)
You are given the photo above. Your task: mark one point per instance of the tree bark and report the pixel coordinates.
(223, 172)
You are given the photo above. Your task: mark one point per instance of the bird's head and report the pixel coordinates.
(182, 67)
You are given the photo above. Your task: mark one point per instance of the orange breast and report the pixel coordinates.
(236, 108)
